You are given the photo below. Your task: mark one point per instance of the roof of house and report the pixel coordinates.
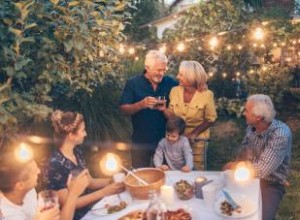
(172, 15)
(175, 3)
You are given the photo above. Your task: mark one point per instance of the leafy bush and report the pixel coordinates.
(65, 43)
(230, 107)
(272, 80)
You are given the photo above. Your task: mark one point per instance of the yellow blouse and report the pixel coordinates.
(201, 108)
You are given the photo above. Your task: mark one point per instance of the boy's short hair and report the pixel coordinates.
(12, 171)
(175, 123)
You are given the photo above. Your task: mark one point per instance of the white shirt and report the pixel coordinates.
(26, 211)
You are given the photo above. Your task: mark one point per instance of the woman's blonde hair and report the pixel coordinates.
(194, 73)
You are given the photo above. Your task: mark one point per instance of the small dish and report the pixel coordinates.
(112, 204)
(247, 206)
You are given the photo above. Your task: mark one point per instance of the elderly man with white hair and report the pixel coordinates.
(139, 100)
(267, 146)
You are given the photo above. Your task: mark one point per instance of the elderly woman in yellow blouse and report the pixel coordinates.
(192, 101)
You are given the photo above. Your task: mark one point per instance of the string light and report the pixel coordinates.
(259, 34)
(264, 68)
(239, 47)
(163, 49)
(131, 50)
(224, 75)
(211, 74)
(251, 71)
(229, 47)
(101, 53)
(213, 42)
(180, 47)
(136, 58)
(238, 73)
(121, 49)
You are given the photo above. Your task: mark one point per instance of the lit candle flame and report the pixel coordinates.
(23, 153)
(111, 162)
(242, 174)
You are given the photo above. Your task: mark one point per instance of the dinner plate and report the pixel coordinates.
(101, 207)
(248, 207)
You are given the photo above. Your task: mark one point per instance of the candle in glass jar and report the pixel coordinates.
(199, 182)
(167, 194)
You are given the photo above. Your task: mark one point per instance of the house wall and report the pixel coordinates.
(185, 4)
(161, 27)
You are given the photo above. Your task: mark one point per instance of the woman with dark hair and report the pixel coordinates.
(69, 132)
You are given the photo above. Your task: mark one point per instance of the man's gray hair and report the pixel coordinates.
(153, 56)
(263, 107)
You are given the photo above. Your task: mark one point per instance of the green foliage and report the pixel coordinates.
(144, 11)
(238, 52)
(46, 43)
(230, 107)
(270, 80)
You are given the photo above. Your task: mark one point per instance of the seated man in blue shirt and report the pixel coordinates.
(267, 146)
(139, 101)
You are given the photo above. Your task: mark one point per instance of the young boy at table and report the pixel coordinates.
(18, 197)
(174, 151)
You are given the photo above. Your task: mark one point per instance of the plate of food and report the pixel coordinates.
(174, 214)
(112, 204)
(134, 215)
(246, 207)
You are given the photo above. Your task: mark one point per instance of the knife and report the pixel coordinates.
(229, 199)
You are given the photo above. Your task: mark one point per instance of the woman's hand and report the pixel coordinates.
(164, 167)
(113, 188)
(77, 185)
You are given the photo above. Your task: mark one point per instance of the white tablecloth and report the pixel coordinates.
(196, 206)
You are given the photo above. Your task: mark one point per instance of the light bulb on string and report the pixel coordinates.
(239, 47)
(180, 47)
(163, 49)
(131, 50)
(122, 49)
(229, 47)
(213, 42)
(224, 75)
(259, 34)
